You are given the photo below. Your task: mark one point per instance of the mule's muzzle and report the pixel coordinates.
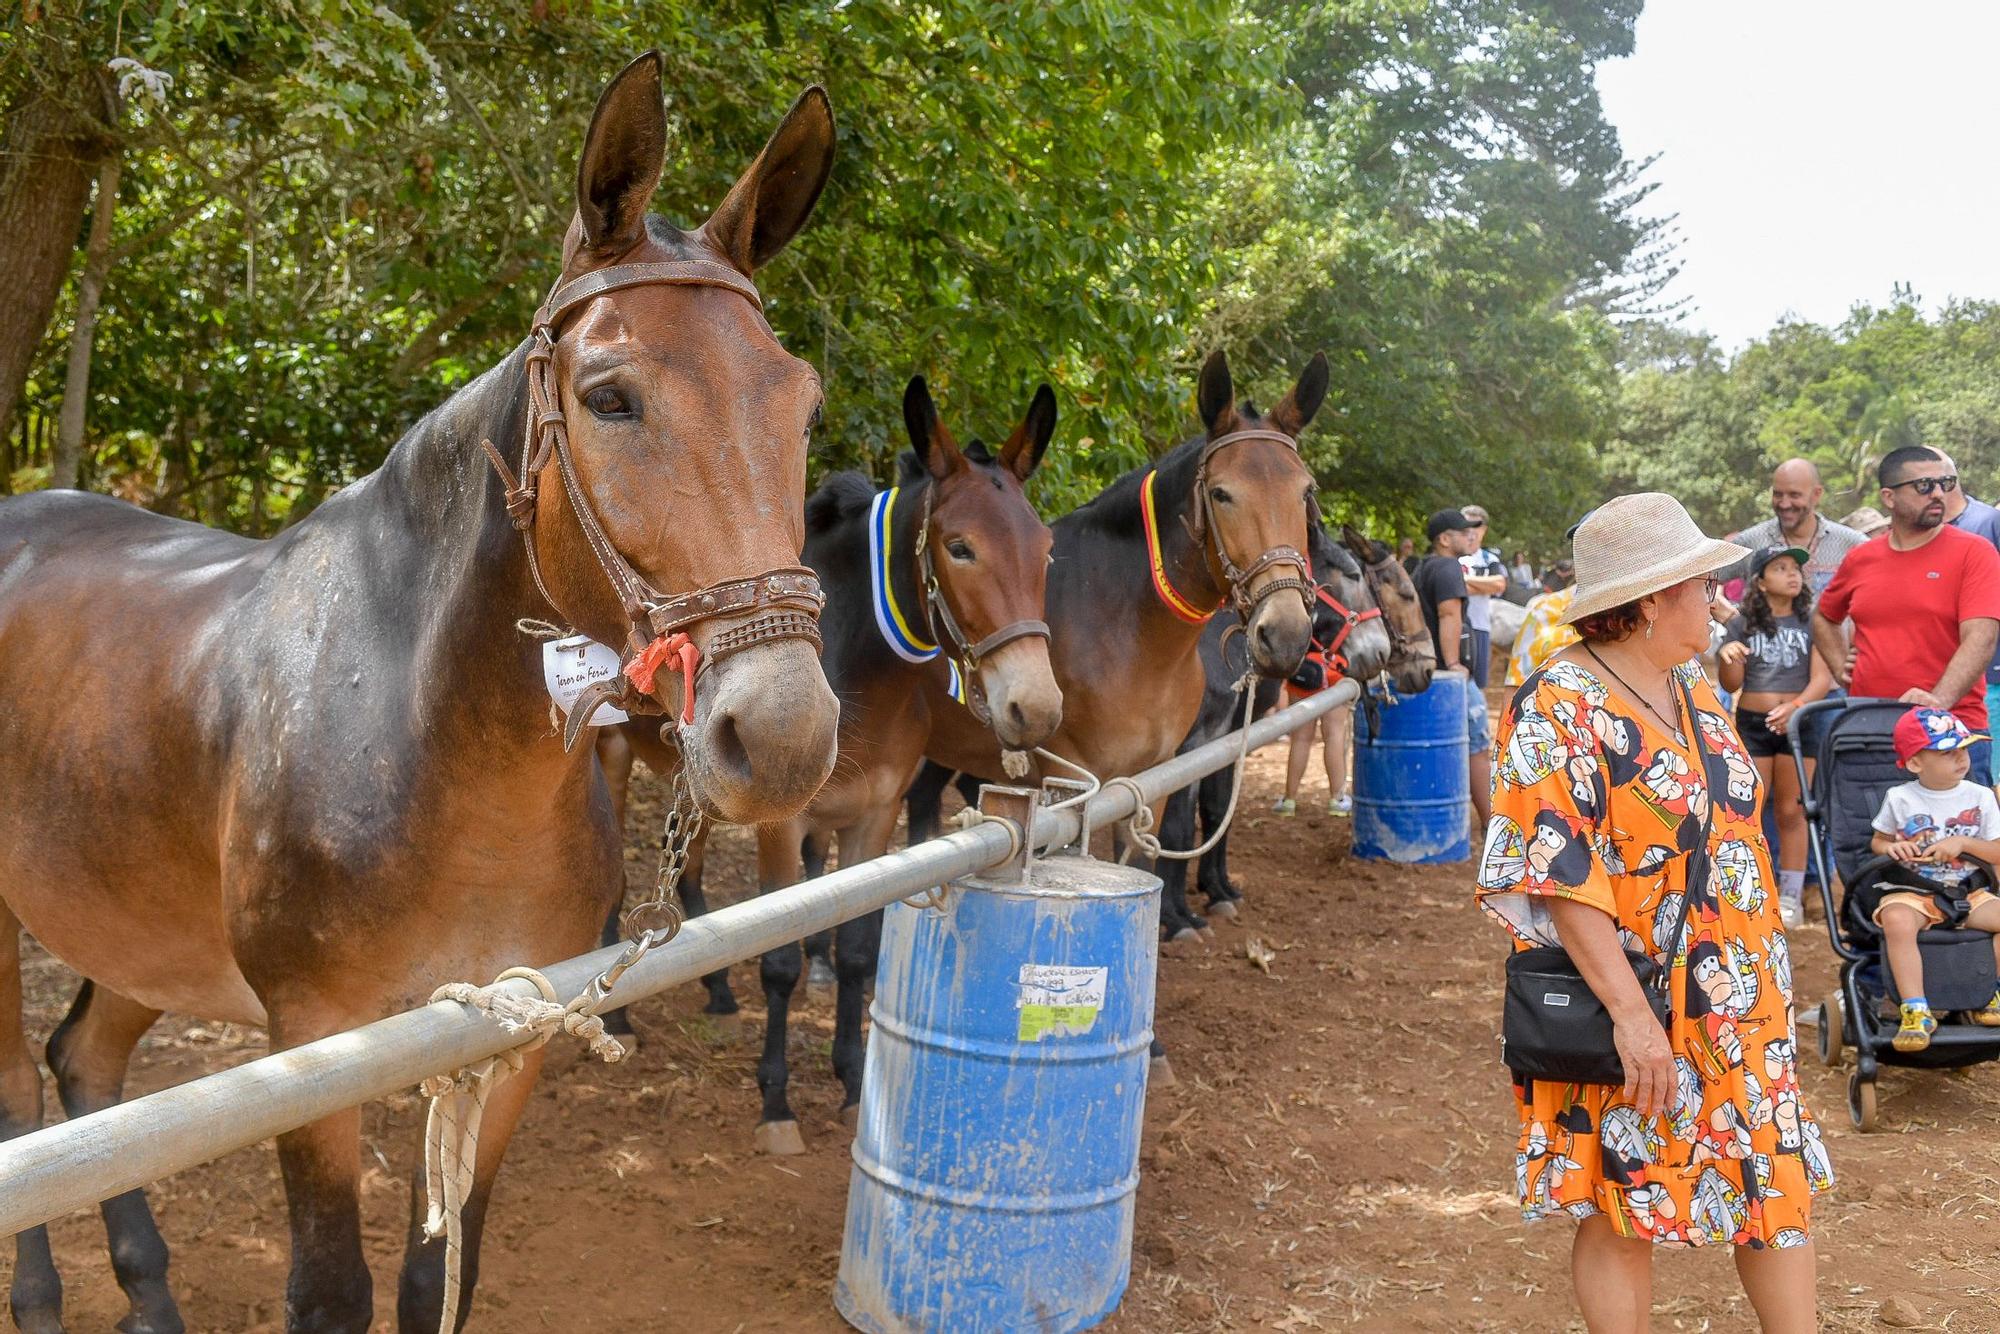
(1368, 649)
(1023, 701)
(1411, 674)
(765, 730)
(1279, 633)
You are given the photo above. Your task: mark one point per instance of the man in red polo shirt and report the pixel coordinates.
(1924, 599)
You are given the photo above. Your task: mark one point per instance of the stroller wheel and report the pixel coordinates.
(1861, 1102)
(1832, 1022)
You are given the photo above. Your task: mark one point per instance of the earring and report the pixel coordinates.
(1649, 629)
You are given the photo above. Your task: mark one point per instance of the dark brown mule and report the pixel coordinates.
(938, 582)
(1228, 518)
(302, 782)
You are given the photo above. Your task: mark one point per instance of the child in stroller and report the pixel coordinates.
(1931, 827)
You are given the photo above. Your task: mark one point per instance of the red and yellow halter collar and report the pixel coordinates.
(1156, 560)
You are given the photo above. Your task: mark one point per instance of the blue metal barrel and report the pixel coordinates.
(1412, 786)
(997, 1155)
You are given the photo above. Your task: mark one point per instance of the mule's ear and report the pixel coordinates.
(1215, 394)
(1298, 407)
(1022, 453)
(934, 445)
(1358, 543)
(772, 199)
(622, 158)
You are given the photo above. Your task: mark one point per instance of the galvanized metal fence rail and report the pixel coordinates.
(75, 1164)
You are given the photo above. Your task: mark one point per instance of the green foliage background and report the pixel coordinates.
(340, 210)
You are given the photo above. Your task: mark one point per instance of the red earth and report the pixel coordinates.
(1338, 1152)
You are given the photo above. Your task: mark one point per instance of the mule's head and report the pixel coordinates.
(990, 553)
(689, 426)
(1368, 646)
(1255, 496)
(1414, 657)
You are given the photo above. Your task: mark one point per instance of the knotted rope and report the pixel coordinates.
(1139, 825)
(458, 1101)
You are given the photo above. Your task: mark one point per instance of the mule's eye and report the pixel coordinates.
(605, 401)
(819, 415)
(1220, 496)
(959, 548)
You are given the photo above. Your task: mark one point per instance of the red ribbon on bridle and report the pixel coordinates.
(646, 664)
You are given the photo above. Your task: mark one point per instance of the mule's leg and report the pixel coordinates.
(1211, 801)
(89, 1053)
(329, 1290)
(856, 945)
(777, 1128)
(925, 800)
(819, 945)
(36, 1295)
(420, 1294)
(721, 1000)
(1176, 831)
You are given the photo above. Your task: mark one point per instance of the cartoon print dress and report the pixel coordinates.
(1593, 804)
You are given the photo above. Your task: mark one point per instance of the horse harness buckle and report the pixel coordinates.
(782, 604)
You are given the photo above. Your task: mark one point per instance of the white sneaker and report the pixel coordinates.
(1791, 910)
(1340, 805)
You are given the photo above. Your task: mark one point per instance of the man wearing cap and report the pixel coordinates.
(1440, 581)
(1485, 579)
(1970, 515)
(1796, 492)
(1924, 600)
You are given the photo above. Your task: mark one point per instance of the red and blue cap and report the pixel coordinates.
(1931, 729)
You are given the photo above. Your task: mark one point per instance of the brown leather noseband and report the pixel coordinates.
(782, 603)
(1198, 524)
(945, 628)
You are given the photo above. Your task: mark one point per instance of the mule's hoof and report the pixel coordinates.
(617, 1022)
(1207, 933)
(1223, 908)
(851, 1116)
(1160, 1074)
(629, 1040)
(154, 1322)
(780, 1139)
(729, 1026)
(1180, 939)
(819, 977)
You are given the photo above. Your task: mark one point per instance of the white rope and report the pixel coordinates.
(1138, 826)
(458, 1102)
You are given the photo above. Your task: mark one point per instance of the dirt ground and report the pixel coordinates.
(1338, 1153)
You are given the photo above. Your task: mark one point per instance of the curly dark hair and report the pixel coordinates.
(1757, 608)
(1610, 625)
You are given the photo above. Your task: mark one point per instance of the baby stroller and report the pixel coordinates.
(1857, 764)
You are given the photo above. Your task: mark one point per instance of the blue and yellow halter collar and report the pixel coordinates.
(897, 632)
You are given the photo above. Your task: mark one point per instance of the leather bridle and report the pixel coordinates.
(1400, 640)
(945, 629)
(782, 603)
(1199, 525)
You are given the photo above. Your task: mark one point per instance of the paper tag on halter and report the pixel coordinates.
(573, 665)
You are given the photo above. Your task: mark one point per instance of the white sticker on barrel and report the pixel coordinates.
(571, 666)
(1059, 1000)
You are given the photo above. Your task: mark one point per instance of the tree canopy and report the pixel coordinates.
(333, 212)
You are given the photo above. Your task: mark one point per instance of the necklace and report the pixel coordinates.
(1630, 690)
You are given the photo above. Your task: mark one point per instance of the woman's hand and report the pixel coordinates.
(1780, 718)
(1733, 652)
(1648, 1060)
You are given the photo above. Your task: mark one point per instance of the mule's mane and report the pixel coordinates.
(1115, 509)
(840, 497)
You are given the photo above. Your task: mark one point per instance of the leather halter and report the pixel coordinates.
(945, 627)
(1198, 524)
(1399, 640)
(782, 603)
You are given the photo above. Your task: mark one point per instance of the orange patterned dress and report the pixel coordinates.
(1593, 804)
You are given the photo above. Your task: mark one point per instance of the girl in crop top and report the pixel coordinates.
(1767, 657)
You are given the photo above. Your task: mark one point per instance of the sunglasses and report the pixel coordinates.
(1925, 485)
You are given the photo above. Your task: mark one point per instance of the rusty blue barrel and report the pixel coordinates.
(1412, 780)
(997, 1156)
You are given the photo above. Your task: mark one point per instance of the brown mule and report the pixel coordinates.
(1225, 513)
(939, 581)
(304, 781)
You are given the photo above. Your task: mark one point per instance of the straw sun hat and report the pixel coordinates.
(1639, 544)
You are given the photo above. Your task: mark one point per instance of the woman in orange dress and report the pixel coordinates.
(1599, 794)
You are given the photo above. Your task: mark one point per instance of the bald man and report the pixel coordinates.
(1796, 522)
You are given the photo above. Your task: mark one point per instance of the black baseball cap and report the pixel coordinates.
(1765, 555)
(1447, 521)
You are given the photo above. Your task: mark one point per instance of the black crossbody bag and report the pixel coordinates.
(1553, 1026)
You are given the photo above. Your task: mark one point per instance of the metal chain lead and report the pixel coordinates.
(657, 920)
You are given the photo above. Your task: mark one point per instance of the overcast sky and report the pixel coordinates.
(1817, 151)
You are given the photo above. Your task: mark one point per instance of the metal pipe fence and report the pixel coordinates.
(75, 1164)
